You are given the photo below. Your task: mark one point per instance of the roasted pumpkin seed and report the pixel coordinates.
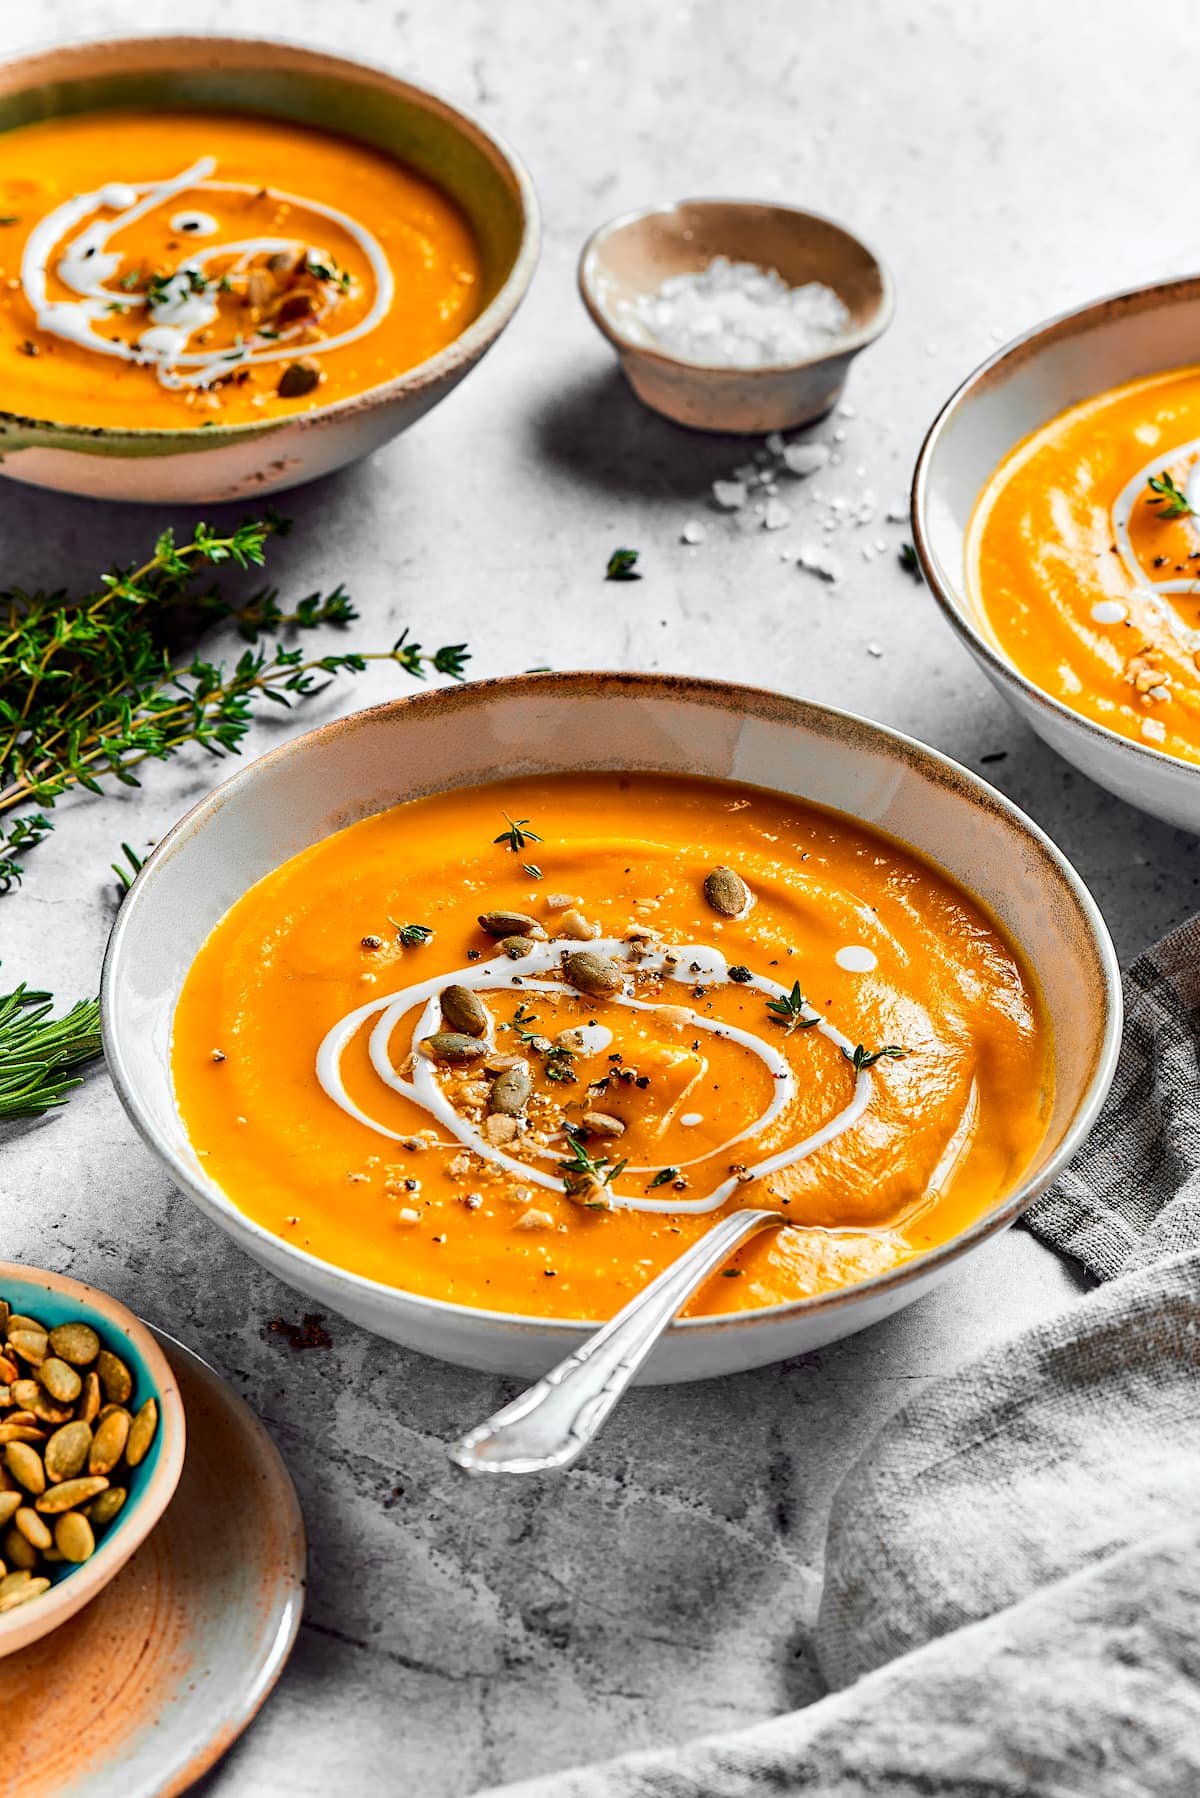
(19, 1552)
(141, 1433)
(66, 1453)
(596, 975)
(509, 1092)
(726, 892)
(73, 1537)
(452, 1047)
(105, 1506)
(19, 1595)
(600, 1123)
(108, 1444)
(21, 1432)
(18, 1320)
(10, 1504)
(115, 1378)
(89, 1401)
(463, 1012)
(69, 1493)
(516, 947)
(25, 1465)
(77, 1343)
(510, 923)
(32, 1345)
(35, 1532)
(60, 1380)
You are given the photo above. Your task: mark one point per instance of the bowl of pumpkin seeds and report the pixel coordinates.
(91, 1446)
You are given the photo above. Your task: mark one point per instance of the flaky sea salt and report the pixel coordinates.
(816, 559)
(805, 458)
(777, 515)
(737, 315)
(729, 495)
(693, 531)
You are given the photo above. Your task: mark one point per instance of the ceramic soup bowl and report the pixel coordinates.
(633, 255)
(440, 141)
(297, 794)
(1100, 346)
(54, 1299)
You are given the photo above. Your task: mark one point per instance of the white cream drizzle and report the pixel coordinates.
(856, 958)
(1109, 611)
(688, 964)
(87, 265)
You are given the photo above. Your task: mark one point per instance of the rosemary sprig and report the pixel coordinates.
(789, 1010)
(1171, 501)
(517, 834)
(89, 688)
(36, 1050)
(864, 1058)
(532, 869)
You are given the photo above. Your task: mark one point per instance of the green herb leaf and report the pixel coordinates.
(36, 1050)
(622, 566)
(532, 869)
(908, 561)
(662, 1176)
(411, 936)
(126, 875)
(583, 1171)
(517, 834)
(790, 1008)
(1171, 501)
(862, 1058)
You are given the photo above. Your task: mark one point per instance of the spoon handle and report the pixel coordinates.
(551, 1424)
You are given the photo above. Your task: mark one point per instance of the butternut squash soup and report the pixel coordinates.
(1084, 559)
(516, 1046)
(186, 268)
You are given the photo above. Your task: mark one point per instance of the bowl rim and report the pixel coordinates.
(848, 345)
(77, 1588)
(950, 591)
(760, 701)
(467, 347)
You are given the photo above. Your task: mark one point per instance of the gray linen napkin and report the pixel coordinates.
(1012, 1590)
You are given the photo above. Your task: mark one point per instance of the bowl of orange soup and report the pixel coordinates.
(468, 1013)
(230, 265)
(1056, 514)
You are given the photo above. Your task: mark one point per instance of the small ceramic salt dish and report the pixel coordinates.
(625, 263)
(53, 1299)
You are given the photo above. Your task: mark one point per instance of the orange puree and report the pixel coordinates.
(301, 281)
(947, 1126)
(1088, 577)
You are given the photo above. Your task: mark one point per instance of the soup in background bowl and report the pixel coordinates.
(231, 265)
(1066, 574)
(922, 1062)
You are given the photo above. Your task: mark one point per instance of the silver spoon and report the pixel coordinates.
(551, 1424)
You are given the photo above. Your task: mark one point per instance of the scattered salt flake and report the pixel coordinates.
(775, 443)
(817, 560)
(746, 471)
(693, 531)
(845, 411)
(777, 515)
(873, 649)
(839, 436)
(805, 458)
(897, 512)
(729, 495)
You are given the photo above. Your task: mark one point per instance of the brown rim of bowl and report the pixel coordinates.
(478, 336)
(939, 581)
(726, 695)
(79, 1587)
(848, 345)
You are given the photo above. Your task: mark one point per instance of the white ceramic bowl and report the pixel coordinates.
(1018, 390)
(301, 792)
(242, 461)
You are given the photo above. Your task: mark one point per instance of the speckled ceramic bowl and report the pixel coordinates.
(229, 462)
(1017, 391)
(486, 730)
(634, 254)
(54, 1299)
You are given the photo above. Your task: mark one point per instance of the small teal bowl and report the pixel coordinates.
(54, 1299)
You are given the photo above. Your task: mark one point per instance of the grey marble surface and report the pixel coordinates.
(1003, 160)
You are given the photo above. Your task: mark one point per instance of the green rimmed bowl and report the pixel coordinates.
(55, 1299)
(281, 80)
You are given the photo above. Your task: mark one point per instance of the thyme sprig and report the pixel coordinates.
(789, 1010)
(128, 870)
(866, 1058)
(89, 687)
(584, 1172)
(517, 834)
(36, 1050)
(1170, 500)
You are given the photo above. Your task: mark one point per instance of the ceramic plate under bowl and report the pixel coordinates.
(1122, 338)
(544, 723)
(139, 1694)
(442, 142)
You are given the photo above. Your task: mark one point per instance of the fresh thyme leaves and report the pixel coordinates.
(662, 1176)
(326, 271)
(584, 1172)
(790, 1010)
(36, 1050)
(1171, 501)
(908, 561)
(127, 874)
(11, 218)
(558, 1060)
(166, 290)
(622, 566)
(532, 869)
(560, 1065)
(411, 936)
(517, 834)
(89, 688)
(864, 1058)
